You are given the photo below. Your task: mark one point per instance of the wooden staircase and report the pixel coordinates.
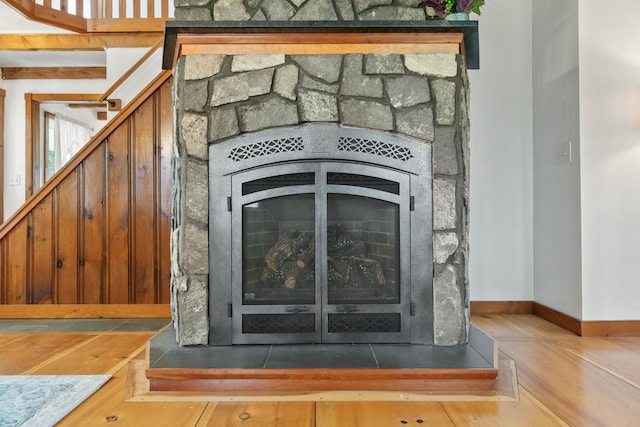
(97, 16)
(98, 231)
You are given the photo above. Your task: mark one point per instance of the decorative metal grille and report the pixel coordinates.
(278, 181)
(363, 181)
(382, 322)
(264, 148)
(278, 323)
(367, 146)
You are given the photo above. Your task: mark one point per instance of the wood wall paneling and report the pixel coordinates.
(144, 201)
(117, 221)
(164, 189)
(41, 241)
(99, 231)
(3, 271)
(16, 247)
(67, 242)
(2, 96)
(91, 262)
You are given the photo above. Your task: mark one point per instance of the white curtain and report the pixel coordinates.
(70, 136)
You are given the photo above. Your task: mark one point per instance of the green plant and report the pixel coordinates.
(442, 8)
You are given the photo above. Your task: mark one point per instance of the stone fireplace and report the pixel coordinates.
(317, 232)
(319, 197)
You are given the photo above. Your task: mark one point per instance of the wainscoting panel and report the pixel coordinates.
(98, 231)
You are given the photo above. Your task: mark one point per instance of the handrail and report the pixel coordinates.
(130, 71)
(48, 15)
(81, 155)
(101, 16)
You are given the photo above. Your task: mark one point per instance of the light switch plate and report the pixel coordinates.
(562, 153)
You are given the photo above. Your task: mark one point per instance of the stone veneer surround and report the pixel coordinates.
(217, 97)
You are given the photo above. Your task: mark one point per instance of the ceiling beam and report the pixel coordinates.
(17, 73)
(83, 42)
(129, 25)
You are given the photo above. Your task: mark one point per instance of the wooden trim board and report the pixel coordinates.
(611, 328)
(65, 73)
(81, 42)
(316, 44)
(311, 380)
(479, 308)
(129, 25)
(585, 328)
(84, 311)
(138, 390)
(564, 321)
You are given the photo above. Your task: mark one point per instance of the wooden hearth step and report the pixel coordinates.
(310, 380)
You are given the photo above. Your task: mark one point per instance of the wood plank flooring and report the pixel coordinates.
(563, 380)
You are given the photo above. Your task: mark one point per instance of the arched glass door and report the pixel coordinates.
(324, 254)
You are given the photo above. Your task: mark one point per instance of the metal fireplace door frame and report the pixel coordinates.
(321, 309)
(318, 142)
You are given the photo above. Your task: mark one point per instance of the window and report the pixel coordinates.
(63, 138)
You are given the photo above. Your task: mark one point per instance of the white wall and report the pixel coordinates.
(122, 60)
(501, 250)
(610, 159)
(556, 123)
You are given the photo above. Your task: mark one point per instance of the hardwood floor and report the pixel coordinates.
(563, 380)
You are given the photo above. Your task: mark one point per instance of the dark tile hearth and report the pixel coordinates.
(321, 356)
(165, 353)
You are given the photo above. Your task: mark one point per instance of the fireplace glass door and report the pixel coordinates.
(320, 254)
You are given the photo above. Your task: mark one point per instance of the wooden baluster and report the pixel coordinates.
(122, 9)
(80, 8)
(96, 9)
(63, 6)
(150, 9)
(108, 9)
(165, 9)
(47, 3)
(136, 8)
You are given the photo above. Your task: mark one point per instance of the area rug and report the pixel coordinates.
(43, 400)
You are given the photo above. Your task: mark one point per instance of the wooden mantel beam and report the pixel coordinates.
(82, 42)
(235, 38)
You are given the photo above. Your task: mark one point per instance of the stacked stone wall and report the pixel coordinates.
(218, 97)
